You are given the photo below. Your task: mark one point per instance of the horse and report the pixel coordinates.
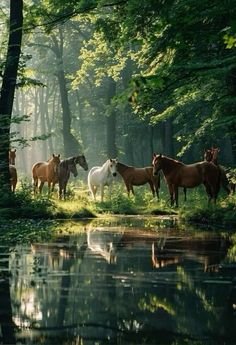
(211, 155)
(102, 176)
(12, 169)
(139, 176)
(12, 156)
(13, 177)
(178, 174)
(66, 167)
(46, 172)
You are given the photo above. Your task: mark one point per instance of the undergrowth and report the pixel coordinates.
(79, 204)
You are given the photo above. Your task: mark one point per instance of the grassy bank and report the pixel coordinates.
(80, 205)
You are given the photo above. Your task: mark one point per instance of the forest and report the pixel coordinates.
(116, 79)
(117, 172)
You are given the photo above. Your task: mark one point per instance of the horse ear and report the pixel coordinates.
(110, 160)
(160, 155)
(154, 155)
(53, 155)
(14, 150)
(59, 155)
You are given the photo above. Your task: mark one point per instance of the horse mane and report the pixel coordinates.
(106, 163)
(65, 162)
(173, 160)
(121, 167)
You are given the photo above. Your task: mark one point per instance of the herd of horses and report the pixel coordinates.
(176, 174)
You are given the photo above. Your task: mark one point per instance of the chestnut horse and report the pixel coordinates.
(13, 177)
(211, 155)
(66, 167)
(178, 174)
(139, 176)
(12, 169)
(12, 156)
(46, 172)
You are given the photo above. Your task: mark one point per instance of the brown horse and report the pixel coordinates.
(46, 172)
(211, 155)
(13, 177)
(66, 167)
(12, 156)
(139, 176)
(12, 169)
(178, 174)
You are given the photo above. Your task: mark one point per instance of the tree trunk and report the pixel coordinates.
(111, 121)
(71, 144)
(6, 322)
(169, 148)
(8, 88)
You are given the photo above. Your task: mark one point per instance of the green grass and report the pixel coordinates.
(79, 204)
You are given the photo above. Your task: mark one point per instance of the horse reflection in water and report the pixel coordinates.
(104, 243)
(169, 251)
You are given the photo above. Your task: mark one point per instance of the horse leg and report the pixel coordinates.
(152, 189)
(35, 185)
(170, 187)
(60, 192)
(185, 194)
(41, 186)
(53, 185)
(128, 190)
(102, 192)
(176, 194)
(132, 189)
(65, 190)
(208, 191)
(49, 187)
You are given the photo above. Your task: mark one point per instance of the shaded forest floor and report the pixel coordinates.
(79, 205)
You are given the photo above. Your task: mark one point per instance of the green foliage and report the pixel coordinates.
(220, 215)
(22, 204)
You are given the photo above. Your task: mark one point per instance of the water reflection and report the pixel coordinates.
(121, 285)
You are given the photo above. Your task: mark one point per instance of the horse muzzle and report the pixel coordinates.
(114, 174)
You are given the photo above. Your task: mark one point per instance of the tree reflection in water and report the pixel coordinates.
(158, 288)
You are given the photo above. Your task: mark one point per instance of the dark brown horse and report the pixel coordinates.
(66, 167)
(46, 172)
(178, 174)
(139, 176)
(211, 155)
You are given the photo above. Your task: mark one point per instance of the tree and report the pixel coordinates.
(8, 88)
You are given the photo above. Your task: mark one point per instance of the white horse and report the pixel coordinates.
(102, 176)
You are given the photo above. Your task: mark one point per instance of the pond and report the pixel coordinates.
(127, 281)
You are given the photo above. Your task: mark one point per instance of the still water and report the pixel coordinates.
(122, 282)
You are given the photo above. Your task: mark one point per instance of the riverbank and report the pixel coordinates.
(80, 206)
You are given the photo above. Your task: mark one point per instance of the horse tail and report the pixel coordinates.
(89, 183)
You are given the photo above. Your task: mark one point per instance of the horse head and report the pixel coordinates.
(156, 163)
(215, 151)
(72, 166)
(81, 160)
(55, 161)
(113, 166)
(208, 155)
